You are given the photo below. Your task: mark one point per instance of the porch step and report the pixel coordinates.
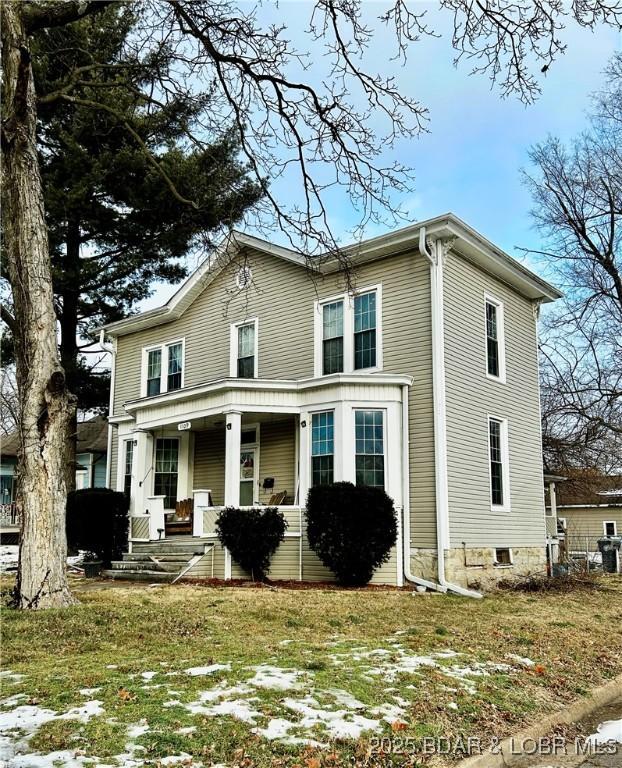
(164, 557)
(170, 566)
(168, 548)
(137, 575)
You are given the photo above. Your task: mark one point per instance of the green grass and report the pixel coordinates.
(319, 632)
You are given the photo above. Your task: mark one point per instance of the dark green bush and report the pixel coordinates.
(351, 528)
(97, 521)
(252, 536)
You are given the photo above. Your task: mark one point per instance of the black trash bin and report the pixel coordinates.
(609, 548)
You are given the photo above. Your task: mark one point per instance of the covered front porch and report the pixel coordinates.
(252, 443)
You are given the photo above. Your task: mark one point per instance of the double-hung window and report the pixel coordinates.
(127, 469)
(154, 371)
(175, 365)
(246, 351)
(499, 467)
(495, 342)
(365, 330)
(332, 337)
(164, 368)
(322, 448)
(166, 470)
(369, 440)
(348, 333)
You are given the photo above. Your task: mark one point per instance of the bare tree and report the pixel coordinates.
(577, 194)
(307, 129)
(9, 402)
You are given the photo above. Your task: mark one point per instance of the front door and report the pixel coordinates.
(248, 467)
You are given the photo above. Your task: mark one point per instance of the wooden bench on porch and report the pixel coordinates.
(180, 521)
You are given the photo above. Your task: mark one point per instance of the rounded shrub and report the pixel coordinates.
(252, 536)
(351, 528)
(97, 521)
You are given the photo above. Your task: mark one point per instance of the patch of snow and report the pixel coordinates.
(134, 731)
(60, 759)
(172, 703)
(88, 691)
(238, 708)
(13, 701)
(11, 677)
(276, 729)
(27, 717)
(183, 757)
(339, 724)
(345, 699)
(208, 670)
(609, 731)
(452, 705)
(274, 678)
(522, 660)
(148, 675)
(389, 712)
(84, 713)
(112, 666)
(186, 730)
(223, 691)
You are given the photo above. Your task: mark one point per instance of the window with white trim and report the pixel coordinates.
(246, 351)
(365, 330)
(495, 339)
(127, 467)
(610, 528)
(332, 337)
(369, 446)
(498, 459)
(166, 470)
(322, 448)
(163, 368)
(348, 332)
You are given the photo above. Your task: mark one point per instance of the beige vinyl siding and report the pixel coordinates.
(209, 463)
(114, 460)
(584, 525)
(471, 396)
(282, 297)
(277, 458)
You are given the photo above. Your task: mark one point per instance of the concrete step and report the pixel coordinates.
(135, 575)
(165, 557)
(168, 548)
(171, 566)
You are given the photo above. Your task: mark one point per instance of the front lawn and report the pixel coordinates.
(251, 676)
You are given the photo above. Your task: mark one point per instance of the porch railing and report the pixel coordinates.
(10, 515)
(205, 520)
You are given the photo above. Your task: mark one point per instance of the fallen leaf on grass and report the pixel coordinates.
(125, 695)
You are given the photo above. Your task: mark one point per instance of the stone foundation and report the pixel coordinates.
(475, 567)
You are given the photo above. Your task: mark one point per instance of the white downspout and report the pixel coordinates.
(440, 412)
(112, 350)
(408, 574)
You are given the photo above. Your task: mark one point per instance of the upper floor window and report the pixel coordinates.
(332, 338)
(499, 467)
(322, 448)
(243, 364)
(365, 330)
(495, 341)
(369, 441)
(163, 368)
(348, 333)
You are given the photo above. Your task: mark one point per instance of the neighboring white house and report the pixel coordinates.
(258, 378)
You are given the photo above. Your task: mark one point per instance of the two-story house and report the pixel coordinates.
(259, 379)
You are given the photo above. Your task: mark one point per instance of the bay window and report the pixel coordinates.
(322, 448)
(369, 442)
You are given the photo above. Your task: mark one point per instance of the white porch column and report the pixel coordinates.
(233, 437)
(304, 459)
(553, 499)
(142, 474)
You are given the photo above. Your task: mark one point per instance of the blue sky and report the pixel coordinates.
(470, 160)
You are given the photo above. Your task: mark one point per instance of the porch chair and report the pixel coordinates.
(277, 499)
(180, 522)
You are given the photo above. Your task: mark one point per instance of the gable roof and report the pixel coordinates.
(466, 241)
(590, 490)
(92, 438)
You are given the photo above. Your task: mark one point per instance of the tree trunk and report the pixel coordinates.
(46, 405)
(68, 335)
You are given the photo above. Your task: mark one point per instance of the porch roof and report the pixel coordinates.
(261, 396)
